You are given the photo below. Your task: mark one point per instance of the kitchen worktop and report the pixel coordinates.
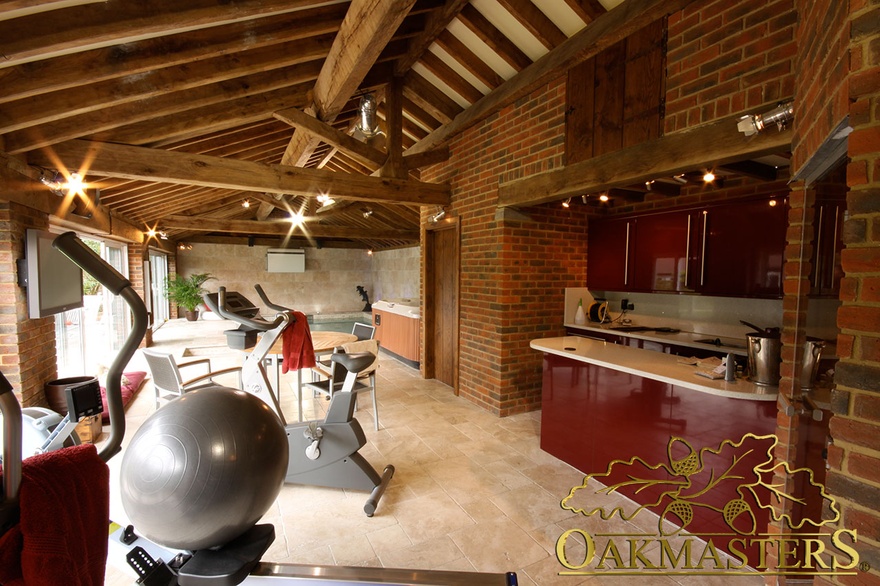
(681, 338)
(650, 364)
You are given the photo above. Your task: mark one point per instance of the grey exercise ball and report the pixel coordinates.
(204, 468)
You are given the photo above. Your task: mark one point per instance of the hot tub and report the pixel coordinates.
(405, 307)
(397, 324)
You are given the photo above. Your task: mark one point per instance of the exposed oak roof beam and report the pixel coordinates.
(90, 67)
(718, 142)
(283, 228)
(365, 31)
(74, 29)
(113, 160)
(336, 138)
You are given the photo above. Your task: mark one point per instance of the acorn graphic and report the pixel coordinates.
(686, 466)
(683, 513)
(735, 509)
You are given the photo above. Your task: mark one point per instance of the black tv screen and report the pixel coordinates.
(54, 282)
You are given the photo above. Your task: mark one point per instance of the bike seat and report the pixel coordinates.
(354, 362)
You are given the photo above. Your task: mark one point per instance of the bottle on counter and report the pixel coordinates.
(579, 317)
(730, 368)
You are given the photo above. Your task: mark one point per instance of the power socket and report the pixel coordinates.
(625, 305)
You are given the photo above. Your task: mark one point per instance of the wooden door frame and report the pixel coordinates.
(429, 325)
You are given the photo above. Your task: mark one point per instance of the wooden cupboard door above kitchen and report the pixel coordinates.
(741, 248)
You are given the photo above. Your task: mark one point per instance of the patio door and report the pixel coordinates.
(90, 336)
(158, 275)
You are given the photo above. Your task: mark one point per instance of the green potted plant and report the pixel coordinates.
(187, 292)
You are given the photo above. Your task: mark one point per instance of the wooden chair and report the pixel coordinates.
(336, 375)
(168, 381)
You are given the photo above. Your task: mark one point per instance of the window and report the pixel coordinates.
(86, 337)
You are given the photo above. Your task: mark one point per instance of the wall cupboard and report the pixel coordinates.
(731, 249)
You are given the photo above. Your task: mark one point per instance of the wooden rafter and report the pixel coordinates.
(606, 30)
(83, 28)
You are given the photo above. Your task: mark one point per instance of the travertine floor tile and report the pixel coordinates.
(471, 492)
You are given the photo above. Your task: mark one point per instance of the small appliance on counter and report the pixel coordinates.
(599, 312)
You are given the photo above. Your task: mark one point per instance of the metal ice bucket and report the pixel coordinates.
(764, 357)
(812, 351)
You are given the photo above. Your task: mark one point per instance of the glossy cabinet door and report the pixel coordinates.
(731, 249)
(741, 248)
(608, 254)
(826, 271)
(661, 244)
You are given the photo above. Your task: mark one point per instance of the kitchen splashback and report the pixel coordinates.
(718, 316)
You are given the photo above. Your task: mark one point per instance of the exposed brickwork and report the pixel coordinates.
(27, 346)
(513, 274)
(840, 53)
(728, 58)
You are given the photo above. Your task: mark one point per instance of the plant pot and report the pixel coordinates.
(191, 315)
(55, 391)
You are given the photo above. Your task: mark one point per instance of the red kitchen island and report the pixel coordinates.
(604, 404)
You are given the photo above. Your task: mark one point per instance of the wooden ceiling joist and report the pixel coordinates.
(719, 142)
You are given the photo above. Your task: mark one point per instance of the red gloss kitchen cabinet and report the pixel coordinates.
(741, 248)
(732, 249)
(661, 245)
(608, 254)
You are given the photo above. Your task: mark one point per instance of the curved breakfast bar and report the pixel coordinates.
(605, 402)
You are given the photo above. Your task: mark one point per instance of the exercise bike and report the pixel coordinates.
(224, 563)
(323, 452)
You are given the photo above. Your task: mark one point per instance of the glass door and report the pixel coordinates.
(158, 276)
(86, 337)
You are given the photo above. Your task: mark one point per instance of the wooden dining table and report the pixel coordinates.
(324, 342)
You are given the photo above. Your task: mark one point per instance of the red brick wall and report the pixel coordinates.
(27, 346)
(513, 274)
(854, 457)
(822, 65)
(728, 57)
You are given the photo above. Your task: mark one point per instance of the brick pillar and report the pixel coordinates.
(854, 457)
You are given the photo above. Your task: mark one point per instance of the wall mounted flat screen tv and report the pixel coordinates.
(54, 283)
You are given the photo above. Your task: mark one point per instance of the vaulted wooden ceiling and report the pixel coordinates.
(182, 111)
(141, 95)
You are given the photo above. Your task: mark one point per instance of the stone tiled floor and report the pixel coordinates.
(471, 492)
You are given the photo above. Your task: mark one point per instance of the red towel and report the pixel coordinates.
(297, 350)
(65, 515)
